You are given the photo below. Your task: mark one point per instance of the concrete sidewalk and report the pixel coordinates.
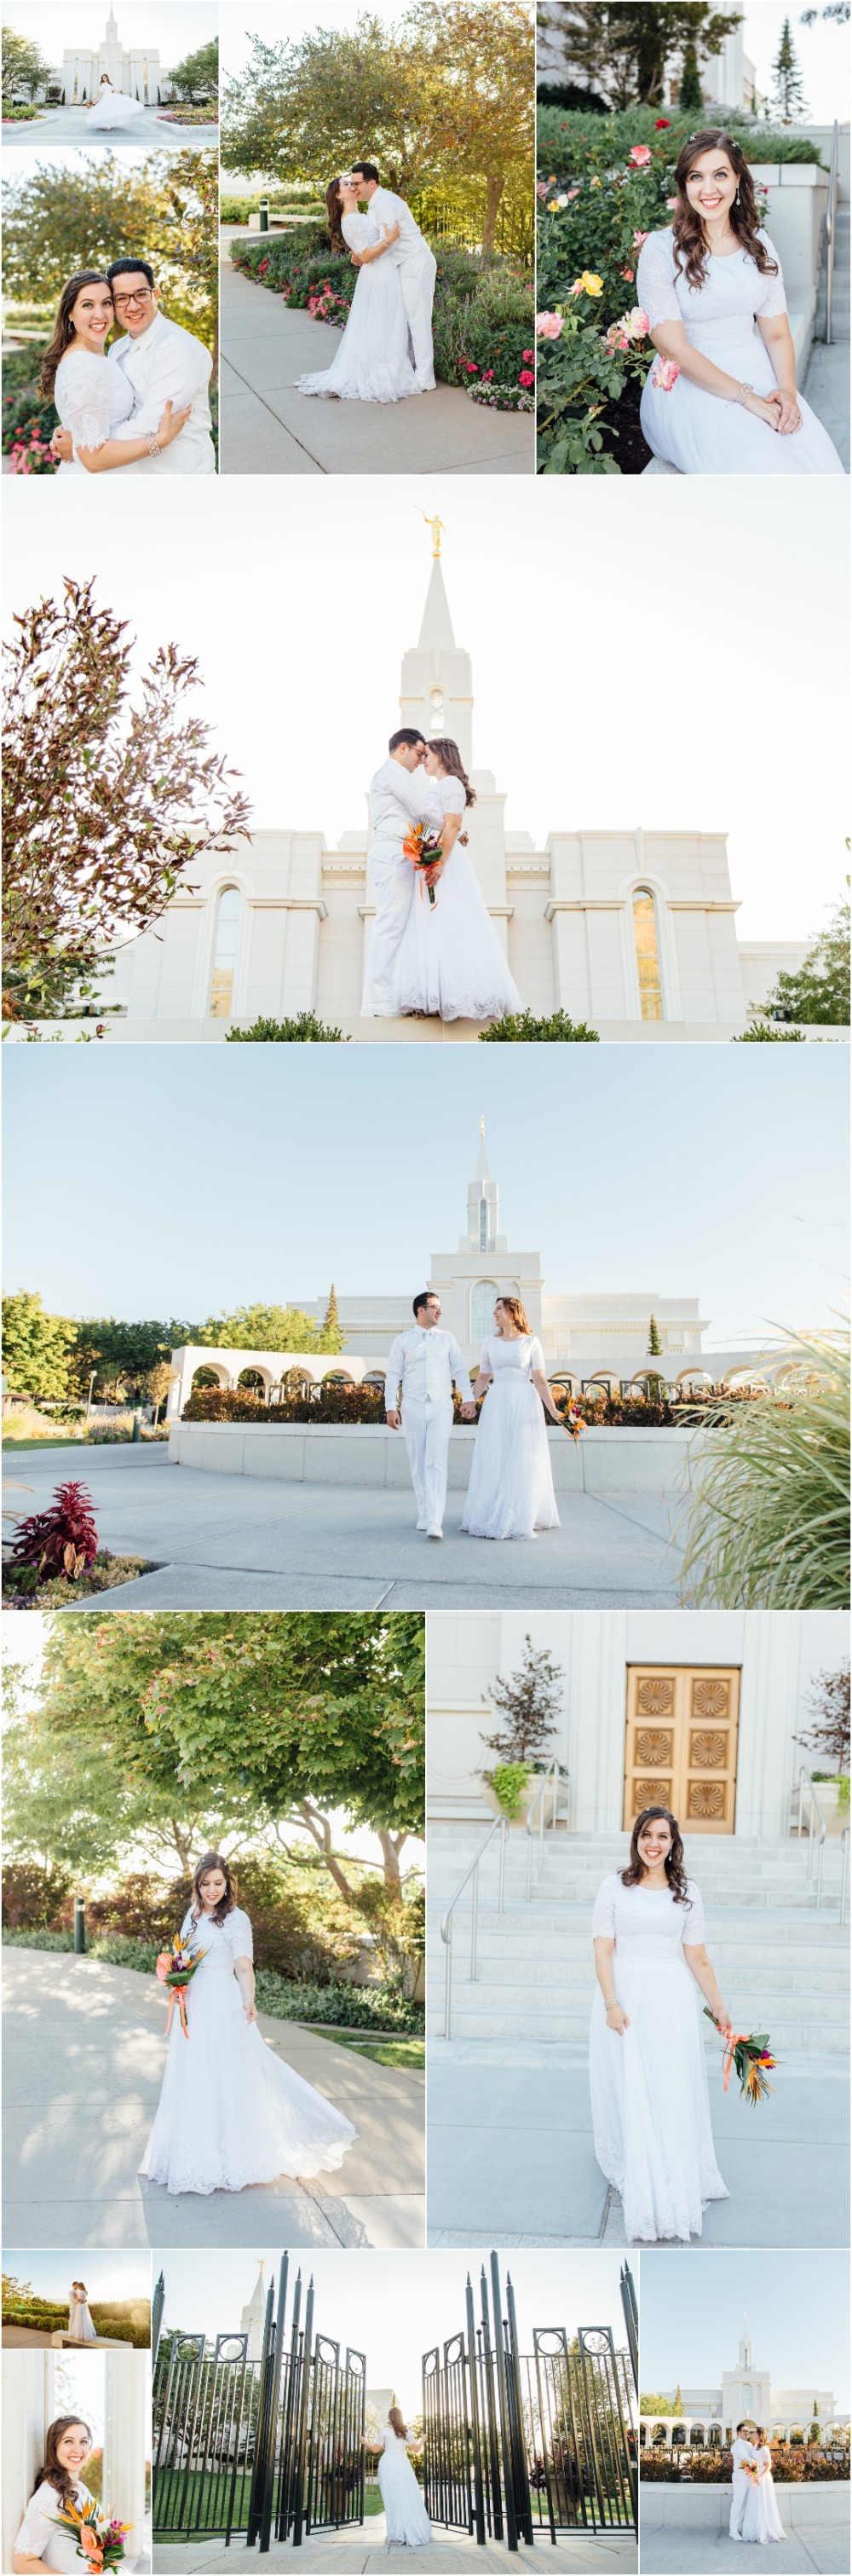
(512, 2159)
(228, 1542)
(684, 2531)
(362, 2551)
(147, 133)
(269, 428)
(84, 2050)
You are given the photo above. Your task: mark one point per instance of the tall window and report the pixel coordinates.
(647, 954)
(436, 711)
(482, 1296)
(225, 954)
(483, 1225)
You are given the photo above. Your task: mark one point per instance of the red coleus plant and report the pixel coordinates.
(63, 1540)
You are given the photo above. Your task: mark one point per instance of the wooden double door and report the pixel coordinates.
(681, 1744)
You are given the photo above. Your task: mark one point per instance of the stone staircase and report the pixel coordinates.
(781, 1965)
(840, 286)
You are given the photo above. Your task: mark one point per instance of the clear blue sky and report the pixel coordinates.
(176, 27)
(691, 2317)
(394, 2307)
(186, 1181)
(107, 2276)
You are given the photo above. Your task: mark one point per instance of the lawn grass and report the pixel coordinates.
(408, 2050)
(65, 1443)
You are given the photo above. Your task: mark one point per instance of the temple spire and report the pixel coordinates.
(436, 630)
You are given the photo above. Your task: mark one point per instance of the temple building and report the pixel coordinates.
(745, 2395)
(135, 69)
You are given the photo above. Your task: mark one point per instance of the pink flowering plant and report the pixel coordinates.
(28, 420)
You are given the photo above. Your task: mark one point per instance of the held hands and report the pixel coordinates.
(616, 2019)
(468, 1413)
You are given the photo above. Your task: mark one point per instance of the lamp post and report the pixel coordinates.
(79, 1925)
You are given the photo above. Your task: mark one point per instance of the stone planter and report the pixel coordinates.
(527, 1795)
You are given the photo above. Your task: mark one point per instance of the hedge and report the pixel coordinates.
(567, 139)
(366, 1404)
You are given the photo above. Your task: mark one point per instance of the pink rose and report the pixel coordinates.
(541, 187)
(640, 156)
(471, 366)
(548, 326)
(528, 356)
(665, 374)
(639, 238)
(629, 273)
(526, 377)
(639, 322)
(487, 375)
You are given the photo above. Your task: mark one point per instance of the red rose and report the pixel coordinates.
(660, 122)
(526, 377)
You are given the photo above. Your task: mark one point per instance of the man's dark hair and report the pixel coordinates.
(740, 2426)
(129, 268)
(367, 170)
(407, 733)
(422, 1299)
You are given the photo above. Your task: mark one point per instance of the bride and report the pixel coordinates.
(94, 400)
(450, 964)
(372, 363)
(647, 2074)
(510, 1489)
(58, 2483)
(761, 2518)
(109, 107)
(230, 2111)
(704, 283)
(80, 2323)
(407, 2521)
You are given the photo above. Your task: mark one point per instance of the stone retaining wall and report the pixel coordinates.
(604, 1461)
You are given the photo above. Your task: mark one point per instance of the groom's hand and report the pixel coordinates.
(62, 445)
(393, 1421)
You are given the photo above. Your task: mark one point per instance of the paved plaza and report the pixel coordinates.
(224, 1542)
(685, 2533)
(150, 132)
(363, 2551)
(78, 2034)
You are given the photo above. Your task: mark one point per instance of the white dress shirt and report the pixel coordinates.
(386, 208)
(168, 364)
(398, 797)
(427, 1363)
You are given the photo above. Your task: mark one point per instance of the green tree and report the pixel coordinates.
(819, 992)
(24, 66)
(677, 2408)
(197, 77)
(267, 1328)
(624, 52)
(36, 1347)
(122, 1355)
(303, 109)
(58, 220)
(658, 2403)
(104, 802)
(655, 1347)
(485, 102)
(331, 1318)
(787, 92)
(690, 97)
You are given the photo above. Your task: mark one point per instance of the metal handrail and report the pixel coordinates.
(550, 1779)
(844, 1846)
(501, 1827)
(805, 1783)
(830, 228)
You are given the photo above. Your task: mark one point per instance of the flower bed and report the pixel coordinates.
(793, 2464)
(605, 184)
(483, 315)
(334, 1403)
(29, 420)
(23, 1591)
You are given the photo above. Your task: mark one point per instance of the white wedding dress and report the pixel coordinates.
(38, 2536)
(80, 2320)
(405, 2512)
(94, 401)
(450, 964)
(230, 2111)
(112, 107)
(372, 363)
(694, 430)
(650, 2098)
(761, 2518)
(510, 1488)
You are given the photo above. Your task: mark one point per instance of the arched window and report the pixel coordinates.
(647, 954)
(225, 953)
(482, 1296)
(437, 711)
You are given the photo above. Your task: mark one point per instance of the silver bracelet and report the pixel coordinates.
(743, 395)
(151, 443)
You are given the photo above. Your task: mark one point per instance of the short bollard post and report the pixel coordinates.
(79, 1924)
(263, 215)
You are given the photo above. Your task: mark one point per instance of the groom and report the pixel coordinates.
(427, 1362)
(398, 798)
(742, 2452)
(416, 264)
(163, 363)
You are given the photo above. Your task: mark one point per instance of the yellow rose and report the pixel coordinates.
(591, 284)
(552, 206)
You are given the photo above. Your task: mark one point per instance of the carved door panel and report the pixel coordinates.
(681, 1744)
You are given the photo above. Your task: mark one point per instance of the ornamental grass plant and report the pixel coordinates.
(767, 1522)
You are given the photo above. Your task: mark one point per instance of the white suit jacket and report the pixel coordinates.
(427, 1363)
(168, 364)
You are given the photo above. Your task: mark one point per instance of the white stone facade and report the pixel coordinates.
(746, 2395)
(633, 932)
(135, 69)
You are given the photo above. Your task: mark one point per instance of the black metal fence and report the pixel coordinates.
(255, 2446)
(516, 2442)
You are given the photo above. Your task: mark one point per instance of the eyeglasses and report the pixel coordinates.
(140, 295)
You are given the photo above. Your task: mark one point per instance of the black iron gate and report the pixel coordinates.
(545, 2441)
(256, 2446)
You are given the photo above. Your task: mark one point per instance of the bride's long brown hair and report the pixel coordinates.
(449, 755)
(53, 2468)
(208, 1861)
(332, 208)
(673, 1864)
(397, 2423)
(63, 328)
(690, 242)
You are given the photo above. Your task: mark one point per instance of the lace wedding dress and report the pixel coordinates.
(694, 430)
(38, 2537)
(406, 2517)
(230, 2111)
(650, 2099)
(450, 964)
(112, 107)
(372, 363)
(80, 2320)
(761, 2518)
(94, 401)
(510, 1488)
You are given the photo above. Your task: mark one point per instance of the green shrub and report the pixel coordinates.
(327, 1403)
(37, 1939)
(35, 1896)
(305, 1030)
(383, 2007)
(570, 141)
(523, 1029)
(763, 1034)
(508, 1781)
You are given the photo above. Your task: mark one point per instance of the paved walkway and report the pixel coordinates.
(363, 2552)
(826, 387)
(808, 2548)
(512, 2160)
(83, 2063)
(268, 428)
(148, 132)
(227, 1542)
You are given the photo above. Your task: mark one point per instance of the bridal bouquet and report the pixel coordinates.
(176, 1968)
(750, 2053)
(422, 848)
(100, 2538)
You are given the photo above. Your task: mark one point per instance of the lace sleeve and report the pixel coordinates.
(693, 1917)
(240, 1934)
(603, 1914)
(82, 391)
(36, 2530)
(655, 280)
(451, 793)
(359, 231)
(773, 299)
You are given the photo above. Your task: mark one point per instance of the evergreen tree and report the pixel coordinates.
(787, 91)
(331, 1318)
(677, 2408)
(819, 992)
(623, 53)
(690, 95)
(528, 1702)
(655, 1347)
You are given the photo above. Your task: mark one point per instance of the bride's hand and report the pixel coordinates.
(616, 2019)
(250, 2011)
(391, 232)
(172, 423)
(761, 409)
